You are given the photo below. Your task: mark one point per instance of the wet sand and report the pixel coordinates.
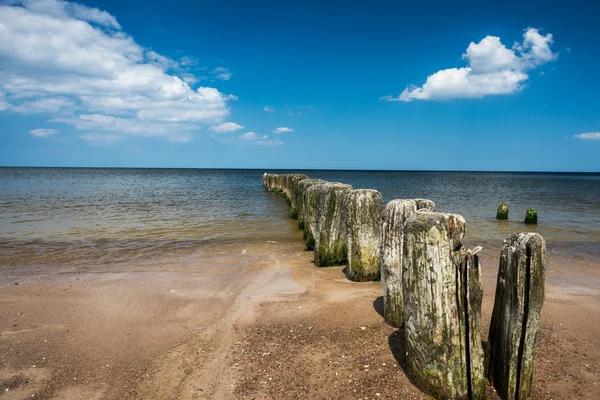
(265, 324)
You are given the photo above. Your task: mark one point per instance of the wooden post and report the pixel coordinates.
(442, 305)
(520, 293)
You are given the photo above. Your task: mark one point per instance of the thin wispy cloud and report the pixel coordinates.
(588, 136)
(43, 132)
(492, 69)
(222, 73)
(269, 109)
(226, 127)
(250, 139)
(115, 87)
(282, 129)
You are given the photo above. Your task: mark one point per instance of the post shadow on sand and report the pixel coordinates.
(397, 343)
(378, 305)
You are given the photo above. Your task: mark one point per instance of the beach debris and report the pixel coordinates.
(272, 242)
(442, 296)
(245, 251)
(395, 214)
(520, 292)
(330, 233)
(502, 212)
(531, 216)
(425, 204)
(19, 314)
(364, 208)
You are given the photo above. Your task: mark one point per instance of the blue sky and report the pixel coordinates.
(342, 85)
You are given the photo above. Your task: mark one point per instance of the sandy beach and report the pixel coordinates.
(263, 323)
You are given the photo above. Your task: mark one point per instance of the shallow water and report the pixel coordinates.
(51, 217)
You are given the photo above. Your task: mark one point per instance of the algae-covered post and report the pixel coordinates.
(531, 216)
(309, 210)
(303, 186)
(442, 305)
(330, 237)
(392, 241)
(363, 220)
(502, 212)
(293, 196)
(425, 204)
(515, 324)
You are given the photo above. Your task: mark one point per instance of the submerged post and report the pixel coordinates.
(515, 324)
(502, 212)
(363, 227)
(392, 242)
(531, 216)
(330, 236)
(442, 306)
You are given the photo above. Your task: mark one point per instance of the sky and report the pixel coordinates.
(437, 85)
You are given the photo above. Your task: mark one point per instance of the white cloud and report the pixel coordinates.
(493, 69)
(3, 104)
(43, 132)
(43, 105)
(269, 109)
(282, 129)
(226, 127)
(251, 138)
(55, 59)
(65, 10)
(222, 73)
(588, 136)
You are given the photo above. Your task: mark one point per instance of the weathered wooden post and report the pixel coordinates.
(502, 212)
(310, 214)
(515, 324)
(363, 221)
(442, 303)
(392, 247)
(425, 204)
(330, 235)
(292, 190)
(303, 186)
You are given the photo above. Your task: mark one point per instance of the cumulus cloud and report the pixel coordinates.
(282, 129)
(226, 127)
(42, 132)
(251, 136)
(588, 136)
(492, 69)
(269, 109)
(74, 63)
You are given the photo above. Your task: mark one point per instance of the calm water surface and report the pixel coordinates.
(55, 216)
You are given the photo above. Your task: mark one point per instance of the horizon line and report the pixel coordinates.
(311, 169)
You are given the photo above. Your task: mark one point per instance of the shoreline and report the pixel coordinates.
(222, 332)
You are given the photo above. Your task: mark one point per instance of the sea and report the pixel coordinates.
(84, 219)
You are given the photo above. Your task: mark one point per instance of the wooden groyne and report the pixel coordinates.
(430, 281)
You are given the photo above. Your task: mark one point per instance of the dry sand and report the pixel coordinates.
(266, 324)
